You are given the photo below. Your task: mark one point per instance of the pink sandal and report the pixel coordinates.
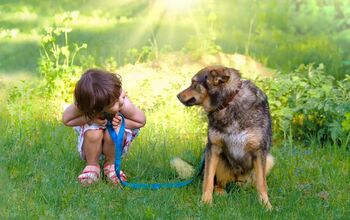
(109, 172)
(90, 175)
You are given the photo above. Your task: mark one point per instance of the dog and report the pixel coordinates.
(239, 130)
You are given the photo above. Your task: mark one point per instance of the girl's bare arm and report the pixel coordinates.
(72, 116)
(134, 117)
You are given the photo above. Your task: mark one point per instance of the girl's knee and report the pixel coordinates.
(93, 136)
(106, 137)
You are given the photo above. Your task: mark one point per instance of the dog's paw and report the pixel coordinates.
(220, 191)
(265, 201)
(268, 206)
(207, 197)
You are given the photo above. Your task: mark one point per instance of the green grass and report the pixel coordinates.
(39, 163)
(39, 179)
(39, 168)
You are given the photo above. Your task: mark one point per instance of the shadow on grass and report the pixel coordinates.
(19, 56)
(103, 43)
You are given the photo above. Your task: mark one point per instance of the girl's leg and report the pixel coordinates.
(92, 146)
(108, 150)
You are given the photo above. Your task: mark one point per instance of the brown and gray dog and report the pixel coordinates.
(239, 130)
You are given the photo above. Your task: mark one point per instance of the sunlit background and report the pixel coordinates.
(296, 51)
(278, 34)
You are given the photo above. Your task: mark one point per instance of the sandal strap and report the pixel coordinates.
(90, 172)
(91, 176)
(92, 169)
(122, 176)
(109, 171)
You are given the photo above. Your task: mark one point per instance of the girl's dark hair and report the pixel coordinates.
(95, 90)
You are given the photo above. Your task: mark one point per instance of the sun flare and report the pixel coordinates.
(176, 5)
(164, 11)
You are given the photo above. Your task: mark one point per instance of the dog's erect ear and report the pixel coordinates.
(233, 73)
(218, 77)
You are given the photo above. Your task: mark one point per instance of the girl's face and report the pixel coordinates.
(115, 108)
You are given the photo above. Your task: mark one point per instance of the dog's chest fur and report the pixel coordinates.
(235, 143)
(232, 148)
(230, 130)
(232, 143)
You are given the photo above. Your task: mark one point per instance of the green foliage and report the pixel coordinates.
(346, 123)
(310, 103)
(135, 55)
(146, 53)
(20, 102)
(110, 64)
(8, 33)
(204, 43)
(199, 45)
(285, 34)
(56, 64)
(282, 34)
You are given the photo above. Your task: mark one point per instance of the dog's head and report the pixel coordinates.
(211, 88)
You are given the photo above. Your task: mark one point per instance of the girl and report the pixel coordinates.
(96, 93)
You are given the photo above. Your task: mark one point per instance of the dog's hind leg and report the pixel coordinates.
(211, 160)
(260, 179)
(270, 162)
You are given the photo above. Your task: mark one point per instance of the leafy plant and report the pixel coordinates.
(143, 54)
(56, 64)
(307, 103)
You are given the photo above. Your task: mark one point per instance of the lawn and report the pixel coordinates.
(157, 54)
(40, 165)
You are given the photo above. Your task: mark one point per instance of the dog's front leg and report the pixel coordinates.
(211, 162)
(260, 178)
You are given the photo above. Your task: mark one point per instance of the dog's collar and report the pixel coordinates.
(229, 99)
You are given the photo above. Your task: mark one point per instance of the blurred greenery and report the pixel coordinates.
(297, 51)
(280, 34)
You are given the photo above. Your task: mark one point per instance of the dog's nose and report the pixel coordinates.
(179, 96)
(188, 101)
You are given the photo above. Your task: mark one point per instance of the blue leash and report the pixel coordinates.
(118, 142)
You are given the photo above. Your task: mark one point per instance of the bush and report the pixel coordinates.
(310, 105)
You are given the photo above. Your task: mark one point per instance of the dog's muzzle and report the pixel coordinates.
(188, 102)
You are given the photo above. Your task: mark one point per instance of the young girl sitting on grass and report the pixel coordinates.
(96, 93)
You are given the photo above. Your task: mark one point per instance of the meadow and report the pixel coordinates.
(295, 51)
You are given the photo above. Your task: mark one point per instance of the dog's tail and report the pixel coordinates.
(183, 169)
(186, 170)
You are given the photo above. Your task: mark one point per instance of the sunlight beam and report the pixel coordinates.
(176, 6)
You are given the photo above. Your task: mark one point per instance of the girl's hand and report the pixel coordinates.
(117, 120)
